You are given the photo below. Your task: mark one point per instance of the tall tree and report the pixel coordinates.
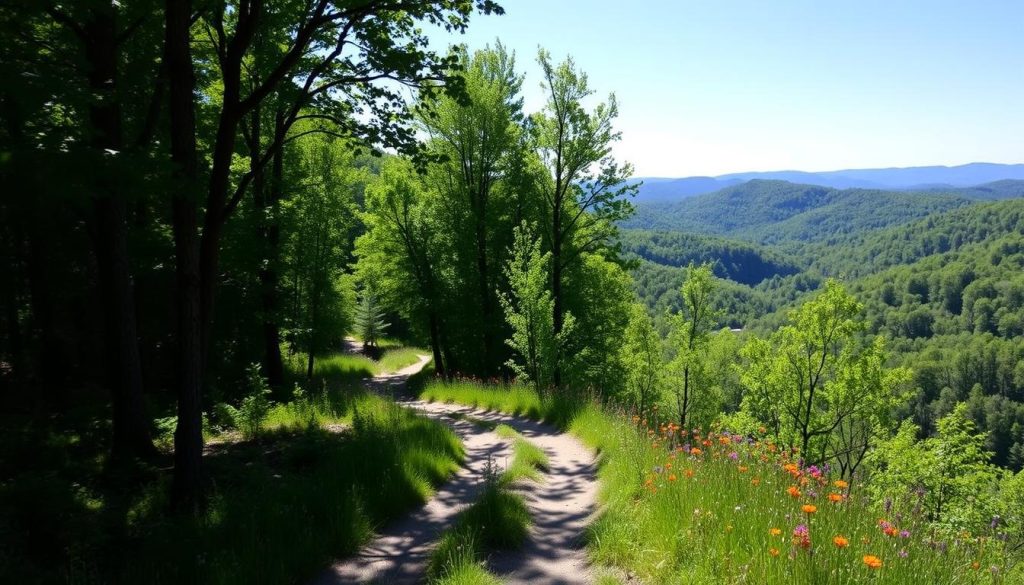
(101, 31)
(585, 190)
(349, 56)
(399, 253)
(475, 141)
(691, 332)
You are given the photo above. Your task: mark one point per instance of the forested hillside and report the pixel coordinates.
(740, 261)
(778, 212)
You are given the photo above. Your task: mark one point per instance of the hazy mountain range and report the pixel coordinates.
(911, 178)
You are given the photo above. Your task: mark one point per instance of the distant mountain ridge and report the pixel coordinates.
(909, 178)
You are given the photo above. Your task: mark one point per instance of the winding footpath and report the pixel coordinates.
(560, 505)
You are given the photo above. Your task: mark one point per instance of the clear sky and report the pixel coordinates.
(715, 86)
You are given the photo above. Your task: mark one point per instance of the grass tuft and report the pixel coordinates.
(497, 520)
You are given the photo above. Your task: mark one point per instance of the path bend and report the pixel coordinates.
(560, 505)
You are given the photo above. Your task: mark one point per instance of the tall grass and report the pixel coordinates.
(281, 506)
(279, 515)
(709, 507)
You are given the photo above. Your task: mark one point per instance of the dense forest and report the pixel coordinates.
(232, 232)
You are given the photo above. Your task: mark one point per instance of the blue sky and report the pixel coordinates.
(716, 86)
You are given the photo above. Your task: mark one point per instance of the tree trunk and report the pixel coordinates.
(558, 316)
(486, 304)
(272, 361)
(117, 297)
(435, 345)
(187, 493)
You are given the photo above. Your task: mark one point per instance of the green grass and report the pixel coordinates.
(498, 520)
(281, 506)
(670, 516)
(398, 358)
(528, 460)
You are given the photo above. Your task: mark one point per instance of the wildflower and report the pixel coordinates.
(668, 465)
(734, 456)
(671, 477)
(809, 508)
(755, 482)
(742, 468)
(793, 491)
(841, 541)
(773, 551)
(695, 452)
(872, 561)
(835, 498)
(903, 553)
(689, 473)
(840, 484)
(762, 430)
(975, 565)
(774, 531)
(904, 534)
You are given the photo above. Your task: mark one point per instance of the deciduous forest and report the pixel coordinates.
(277, 274)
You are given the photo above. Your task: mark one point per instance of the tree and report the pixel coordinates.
(691, 331)
(951, 474)
(399, 253)
(585, 190)
(813, 382)
(475, 141)
(320, 216)
(369, 320)
(642, 358)
(387, 45)
(528, 311)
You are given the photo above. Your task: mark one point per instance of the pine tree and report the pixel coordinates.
(369, 320)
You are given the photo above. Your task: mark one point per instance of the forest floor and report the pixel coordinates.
(561, 504)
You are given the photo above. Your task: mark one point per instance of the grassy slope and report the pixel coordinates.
(674, 516)
(281, 506)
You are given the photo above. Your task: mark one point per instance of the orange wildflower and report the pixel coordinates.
(773, 551)
(975, 565)
(755, 482)
(774, 531)
(695, 452)
(841, 541)
(872, 561)
(809, 508)
(835, 498)
(793, 491)
(671, 477)
(742, 468)
(840, 484)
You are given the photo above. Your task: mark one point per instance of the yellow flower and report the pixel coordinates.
(774, 531)
(773, 551)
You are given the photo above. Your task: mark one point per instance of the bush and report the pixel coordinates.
(256, 405)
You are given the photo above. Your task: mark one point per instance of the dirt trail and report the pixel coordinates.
(560, 505)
